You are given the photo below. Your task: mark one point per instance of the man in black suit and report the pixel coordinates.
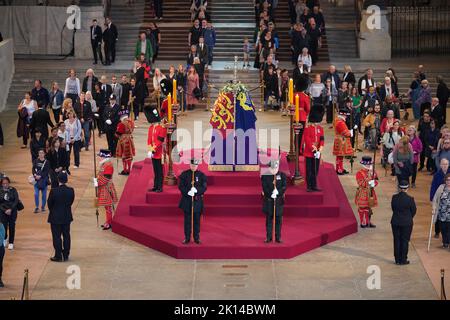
(192, 185)
(404, 209)
(60, 202)
(40, 119)
(274, 184)
(443, 94)
(333, 75)
(96, 41)
(110, 37)
(112, 119)
(40, 94)
(437, 112)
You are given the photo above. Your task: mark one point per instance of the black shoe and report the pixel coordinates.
(197, 241)
(397, 263)
(363, 226)
(436, 235)
(345, 172)
(186, 241)
(309, 190)
(445, 246)
(278, 240)
(268, 241)
(317, 189)
(340, 173)
(56, 259)
(1, 284)
(122, 173)
(152, 189)
(420, 168)
(65, 259)
(371, 225)
(404, 263)
(106, 227)
(158, 190)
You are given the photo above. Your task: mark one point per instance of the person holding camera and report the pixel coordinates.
(9, 201)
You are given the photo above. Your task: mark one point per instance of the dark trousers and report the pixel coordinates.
(437, 227)
(158, 174)
(110, 137)
(402, 235)
(2, 255)
(188, 222)
(414, 173)
(73, 97)
(110, 52)
(445, 230)
(430, 161)
(158, 5)
(56, 115)
(312, 170)
(278, 222)
(97, 50)
(330, 111)
(76, 147)
(9, 223)
(61, 240)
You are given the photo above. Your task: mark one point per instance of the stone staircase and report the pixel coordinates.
(340, 29)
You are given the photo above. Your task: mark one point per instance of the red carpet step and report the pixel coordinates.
(233, 225)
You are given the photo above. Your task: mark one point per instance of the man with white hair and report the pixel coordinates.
(89, 81)
(388, 89)
(437, 113)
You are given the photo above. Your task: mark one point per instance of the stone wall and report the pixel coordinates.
(41, 30)
(6, 70)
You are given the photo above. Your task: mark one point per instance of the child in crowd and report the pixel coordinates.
(246, 49)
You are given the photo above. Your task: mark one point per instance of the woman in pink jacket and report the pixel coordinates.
(417, 149)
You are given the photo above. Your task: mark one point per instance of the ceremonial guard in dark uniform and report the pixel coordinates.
(111, 117)
(156, 136)
(192, 184)
(274, 187)
(403, 211)
(312, 145)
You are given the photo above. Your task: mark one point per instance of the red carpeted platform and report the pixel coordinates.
(233, 225)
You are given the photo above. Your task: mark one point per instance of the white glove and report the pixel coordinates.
(150, 154)
(108, 122)
(317, 155)
(275, 191)
(351, 133)
(191, 193)
(355, 127)
(372, 183)
(273, 196)
(95, 182)
(96, 115)
(194, 189)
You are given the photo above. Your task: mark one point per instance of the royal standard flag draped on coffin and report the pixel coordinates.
(226, 128)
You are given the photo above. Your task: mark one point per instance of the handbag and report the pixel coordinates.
(391, 158)
(197, 93)
(20, 205)
(31, 180)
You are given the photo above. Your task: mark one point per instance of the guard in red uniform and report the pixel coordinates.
(365, 197)
(342, 145)
(312, 145)
(156, 136)
(304, 108)
(107, 195)
(125, 145)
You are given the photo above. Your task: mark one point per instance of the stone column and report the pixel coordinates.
(374, 41)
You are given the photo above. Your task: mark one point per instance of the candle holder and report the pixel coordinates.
(297, 179)
(291, 155)
(170, 178)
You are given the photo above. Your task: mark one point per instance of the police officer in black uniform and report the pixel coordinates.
(112, 119)
(274, 186)
(192, 184)
(404, 210)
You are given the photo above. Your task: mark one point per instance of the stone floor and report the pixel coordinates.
(113, 267)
